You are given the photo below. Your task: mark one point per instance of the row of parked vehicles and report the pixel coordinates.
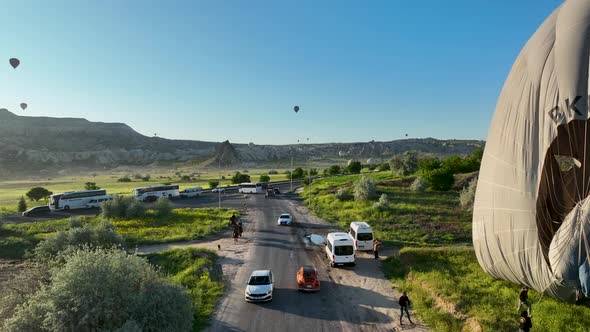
(340, 248)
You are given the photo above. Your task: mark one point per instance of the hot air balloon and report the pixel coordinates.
(14, 62)
(23, 106)
(531, 218)
(296, 109)
(406, 135)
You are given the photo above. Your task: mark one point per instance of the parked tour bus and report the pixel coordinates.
(340, 249)
(250, 188)
(147, 193)
(76, 199)
(362, 234)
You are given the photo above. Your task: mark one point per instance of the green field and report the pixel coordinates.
(196, 270)
(182, 225)
(12, 190)
(450, 292)
(412, 218)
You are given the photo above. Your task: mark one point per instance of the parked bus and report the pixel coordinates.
(76, 199)
(250, 188)
(149, 193)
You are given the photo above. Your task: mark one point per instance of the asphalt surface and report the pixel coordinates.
(348, 299)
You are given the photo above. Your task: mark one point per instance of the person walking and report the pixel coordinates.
(240, 228)
(524, 322)
(376, 245)
(404, 302)
(233, 219)
(523, 299)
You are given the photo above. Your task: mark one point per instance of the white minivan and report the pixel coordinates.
(362, 234)
(191, 192)
(340, 249)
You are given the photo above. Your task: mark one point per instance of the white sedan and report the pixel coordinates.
(218, 190)
(285, 219)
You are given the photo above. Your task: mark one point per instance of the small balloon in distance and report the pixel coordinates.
(14, 62)
(296, 109)
(23, 106)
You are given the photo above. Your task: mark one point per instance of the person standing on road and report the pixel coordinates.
(240, 228)
(404, 302)
(232, 219)
(376, 245)
(525, 323)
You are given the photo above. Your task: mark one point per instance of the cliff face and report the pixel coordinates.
(35, 143)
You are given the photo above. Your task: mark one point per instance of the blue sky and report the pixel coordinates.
(217, 70)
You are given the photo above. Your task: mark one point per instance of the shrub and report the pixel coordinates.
(240, 178)
(264, 178)
(37, 193)
(163, 207)
(404, 164)
(333, 170)
(354, 167)
(124, 179)
(428, 164)
(22, 204)
(131, 296)
(273, 171)
(383, 203)
(467, 196)
(146, 178)
(91, 186)
(418, 185)
(185, 178)
(122, 207)
(384, 167)
(298, 173)
(213, 184)
(134, 210)
(137, 176)
(440, 179)
(342, 195)
(364, 189)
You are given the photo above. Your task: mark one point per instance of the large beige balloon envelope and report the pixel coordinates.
(531, 218)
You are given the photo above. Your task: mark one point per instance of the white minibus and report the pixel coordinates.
(362, 234)
(340, 249)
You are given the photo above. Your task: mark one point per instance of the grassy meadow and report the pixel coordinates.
(413, 218)
(12, 190)
(181, 225)
(196, 270)
(450, 292)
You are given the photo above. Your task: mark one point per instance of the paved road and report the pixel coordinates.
(351, 299)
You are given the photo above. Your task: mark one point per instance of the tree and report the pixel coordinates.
(384, 167)
(22, 205)
(441, 179)
(313, 171)
(404, 164)
(91, 186)
(37, 193)
(467, 195)
(163, 207)
(342, 195)
(418, 185)
(240, 178)
(213, 184)
(298, 173)
(428, 164)
(333, 170)
(146, 178)
(185, 178)
(354, 167)
(124, 179)
(364, 189)
(382, 204)
(131, 296)
(264, 178)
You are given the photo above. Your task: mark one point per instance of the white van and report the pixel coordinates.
(362, 234)
(191, 192)
(340, 249)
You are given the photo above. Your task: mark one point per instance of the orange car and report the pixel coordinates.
(308, 279)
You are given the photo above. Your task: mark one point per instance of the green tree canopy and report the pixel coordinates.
(38, 193)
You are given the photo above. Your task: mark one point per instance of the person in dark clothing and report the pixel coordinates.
(523, 299)
(240, 228)
(233, 219)
(525, 322)
(404, 302)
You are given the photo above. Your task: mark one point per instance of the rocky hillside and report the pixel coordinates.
(28, 144)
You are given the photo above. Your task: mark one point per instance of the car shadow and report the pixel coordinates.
(334, 302)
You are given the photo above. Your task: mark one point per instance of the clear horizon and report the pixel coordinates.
(216, 71)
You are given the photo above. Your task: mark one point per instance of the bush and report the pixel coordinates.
(441, 179)
(333, 170)
(384, 167)
(428, 164)
(137, 176)
(342, 195)
(124, 179)
(364, 189)
(102, 235)
(298, 173)
(22, 204)
(418, 185)
(185, 178)
(146, 178)
(163, 207)
(240, 178)
(264, 178)
(404, 164)
(467, 195)
(354, 167)
(382, 204)
(91, 186)
(122, 207)
(213, 184)
(131, 296)
(273, 171)
(38, 193)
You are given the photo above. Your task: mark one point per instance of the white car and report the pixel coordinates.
(259, 286)
(218, 190)
(285, 219)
